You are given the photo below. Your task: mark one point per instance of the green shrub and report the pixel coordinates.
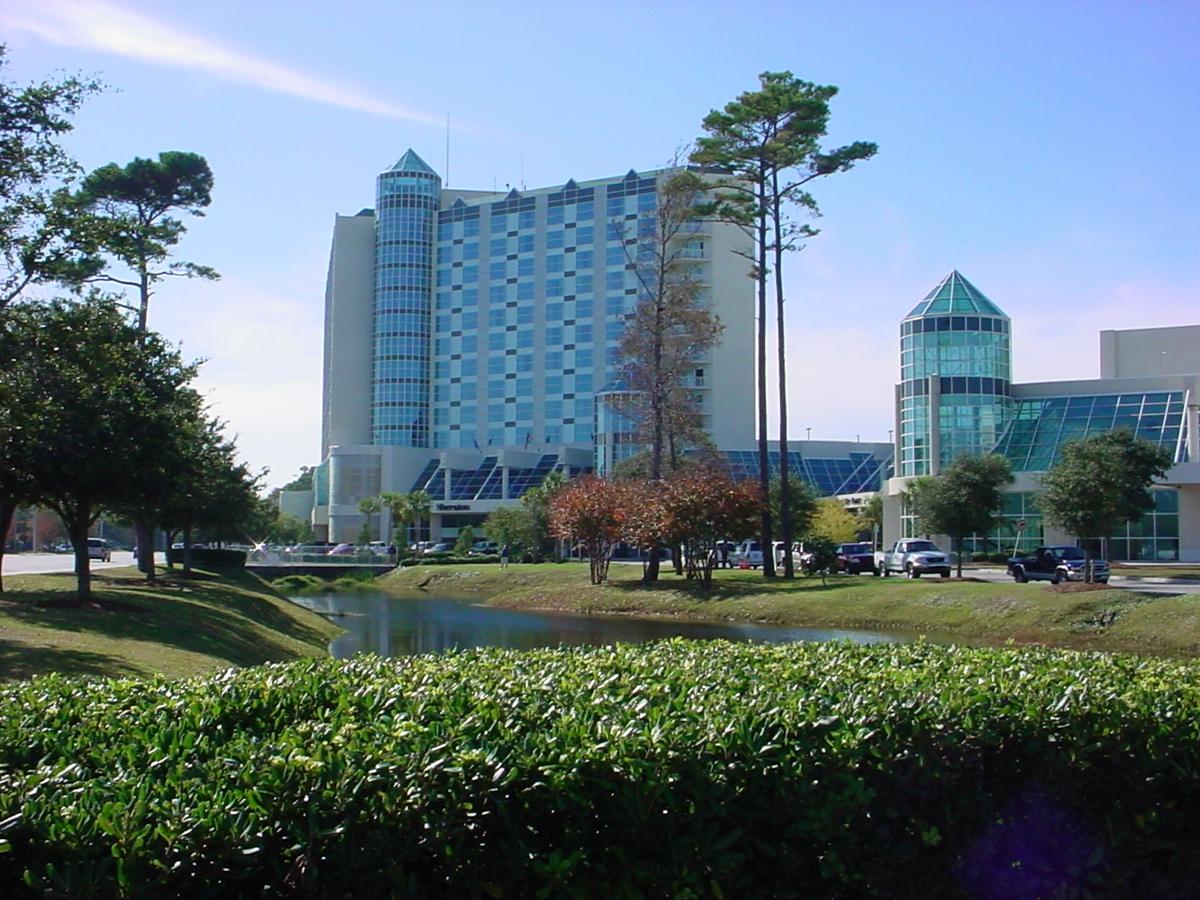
(441, 559)
(676, 769)
(979, 557)
(1001, 558)
(300, 584)
(210, 559)
(358, 580)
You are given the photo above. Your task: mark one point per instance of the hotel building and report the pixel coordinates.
(469, 333)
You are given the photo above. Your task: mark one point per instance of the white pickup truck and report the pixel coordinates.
(914, 558)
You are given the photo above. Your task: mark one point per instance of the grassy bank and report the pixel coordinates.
(966, 611)
(174, 628)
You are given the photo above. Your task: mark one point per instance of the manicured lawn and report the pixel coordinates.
(944, 610)
(175, 628)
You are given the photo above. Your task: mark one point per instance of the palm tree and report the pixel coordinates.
(420, 504)
(367, 506)
(396, 504)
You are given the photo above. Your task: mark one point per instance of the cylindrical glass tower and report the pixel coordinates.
(407, 197)
(613, 429)
(955, 374)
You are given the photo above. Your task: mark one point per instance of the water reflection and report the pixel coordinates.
(401, 626)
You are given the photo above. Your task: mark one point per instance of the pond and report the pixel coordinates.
(402, 626)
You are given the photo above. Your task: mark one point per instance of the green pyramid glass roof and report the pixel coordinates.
(955, 295)
(410, 162)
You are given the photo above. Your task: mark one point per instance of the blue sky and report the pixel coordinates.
(1046, 150)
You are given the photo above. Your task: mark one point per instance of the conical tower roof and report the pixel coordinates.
(954, 294)
(411, 162)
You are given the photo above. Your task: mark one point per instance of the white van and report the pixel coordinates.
(748, 552)
(98, 549)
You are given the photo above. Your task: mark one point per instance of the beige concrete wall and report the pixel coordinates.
(732, 370)
(1189, 523)
(349, 302)
(1150, 351)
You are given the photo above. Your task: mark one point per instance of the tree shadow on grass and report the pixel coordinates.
(19, 660)
(203, 617)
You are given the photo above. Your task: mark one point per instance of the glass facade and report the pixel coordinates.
(1040, 426)
(1153, 537)
(531, 295)
(406, 201)
(955, 371)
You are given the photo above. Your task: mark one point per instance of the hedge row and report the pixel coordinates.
(447, 559)
(210, 558)
(677, 769)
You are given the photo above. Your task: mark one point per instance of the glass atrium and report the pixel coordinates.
(1040, 426)
(955, 361)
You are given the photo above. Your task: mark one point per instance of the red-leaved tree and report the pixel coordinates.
(645, 522)
(703, 507)
(590, 512)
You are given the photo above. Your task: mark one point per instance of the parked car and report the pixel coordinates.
(748, 553)
(343, 550)
(97, 548)
(914, 558)
(484, 548)
(797, 553)
(854, 559)
(440, 547)
(1056, 564)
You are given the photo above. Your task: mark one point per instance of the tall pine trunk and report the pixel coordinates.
(187, 551)
(650, 574)
(764, 458)
(785, 491)
(145, 547)
(8, 509)
(77, 526)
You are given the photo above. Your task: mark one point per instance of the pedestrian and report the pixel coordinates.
(504, 553)
(724, 554)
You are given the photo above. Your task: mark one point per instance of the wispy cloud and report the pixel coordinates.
(109, 28)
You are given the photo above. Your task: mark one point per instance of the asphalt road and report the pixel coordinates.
(43, 563)
(1147, 585)
(46, 563)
